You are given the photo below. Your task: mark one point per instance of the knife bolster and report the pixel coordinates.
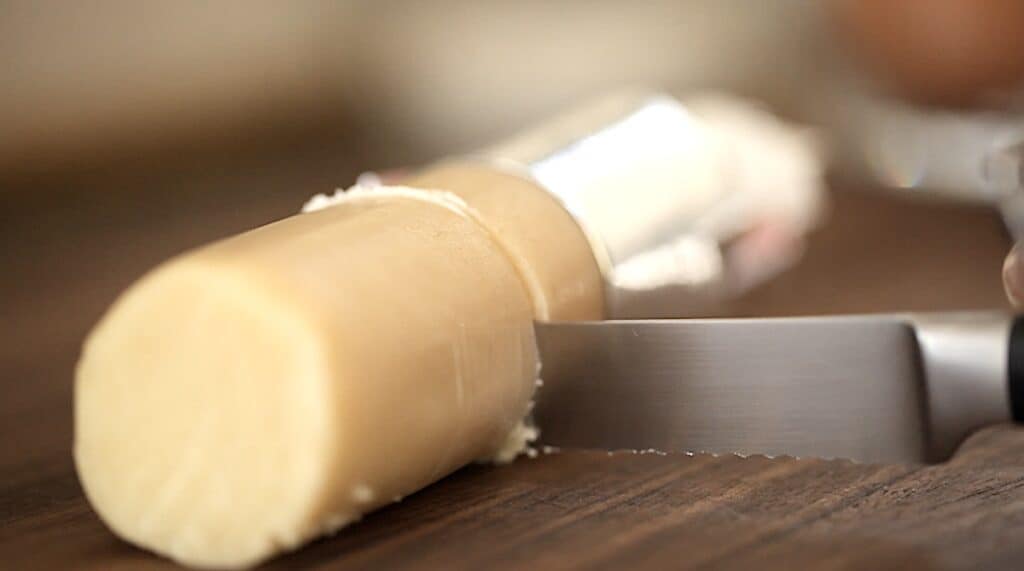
(968, 360)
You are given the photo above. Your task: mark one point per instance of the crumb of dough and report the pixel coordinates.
(517, 442)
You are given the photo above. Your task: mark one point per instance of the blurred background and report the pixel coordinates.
(130, 131)
(85, 87)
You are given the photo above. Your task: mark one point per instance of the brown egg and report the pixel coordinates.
(938, 51)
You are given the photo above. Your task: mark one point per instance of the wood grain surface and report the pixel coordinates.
(65, 260)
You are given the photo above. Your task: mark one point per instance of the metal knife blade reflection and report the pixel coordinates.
(876, 388)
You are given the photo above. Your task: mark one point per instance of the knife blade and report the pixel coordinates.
(871, 388)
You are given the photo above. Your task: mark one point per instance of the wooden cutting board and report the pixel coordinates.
(64, 262)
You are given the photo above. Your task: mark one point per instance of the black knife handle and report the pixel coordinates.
(1015, 369)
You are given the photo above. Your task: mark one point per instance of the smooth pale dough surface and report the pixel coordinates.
(251, 395)
(549, 247)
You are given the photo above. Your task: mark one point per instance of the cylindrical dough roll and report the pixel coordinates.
(250, 395)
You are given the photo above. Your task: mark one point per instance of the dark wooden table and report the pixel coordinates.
(64, 261)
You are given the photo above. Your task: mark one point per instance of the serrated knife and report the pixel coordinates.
(872, 388)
